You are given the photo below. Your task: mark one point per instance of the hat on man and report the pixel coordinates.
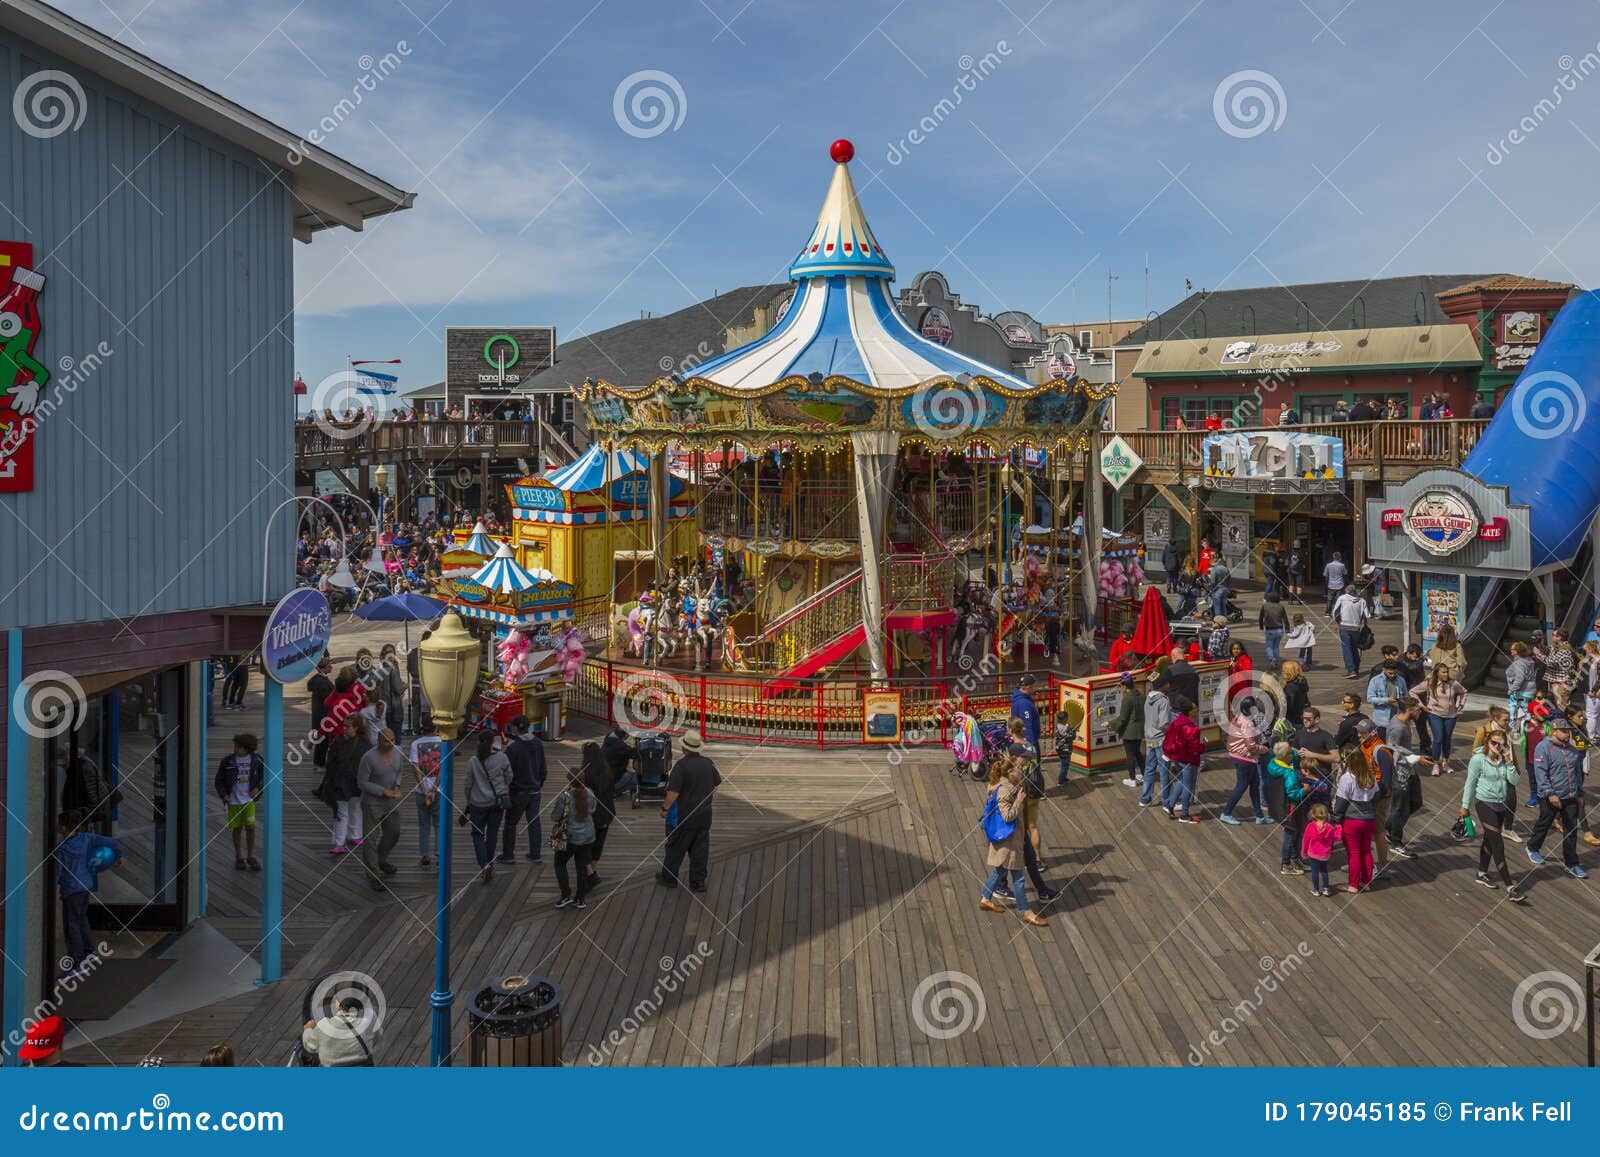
(1127, 677)
(1559, 723)
(1026, 680)
(44, 1039)
(691, 741)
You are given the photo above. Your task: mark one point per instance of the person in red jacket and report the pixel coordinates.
(1185, 749)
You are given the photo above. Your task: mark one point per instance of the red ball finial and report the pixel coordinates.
(841, 151)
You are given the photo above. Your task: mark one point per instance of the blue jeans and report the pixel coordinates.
(1019, 885)
(1443, 732)
(485, 823)
(1219, 601)
(1180, 788)
(427, 827)
(1319, 874)
(1247, 777)
(1155, 764)
(1305, 656)
(1352, 653)
(524, 805)
(1274, 637)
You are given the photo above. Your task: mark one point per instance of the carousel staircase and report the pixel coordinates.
(815, 633)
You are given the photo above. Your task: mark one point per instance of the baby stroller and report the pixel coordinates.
(966, 744)
(654, 760)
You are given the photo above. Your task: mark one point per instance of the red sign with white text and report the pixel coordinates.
(22, 376)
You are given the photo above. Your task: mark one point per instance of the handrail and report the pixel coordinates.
(806, 604)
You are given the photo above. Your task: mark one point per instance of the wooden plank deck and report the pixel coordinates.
(842, 888)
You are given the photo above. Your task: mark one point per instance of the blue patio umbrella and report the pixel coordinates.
(404, 607)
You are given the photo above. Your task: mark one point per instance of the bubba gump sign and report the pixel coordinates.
(1441, 520)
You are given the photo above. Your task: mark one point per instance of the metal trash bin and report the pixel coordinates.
(515, 1023)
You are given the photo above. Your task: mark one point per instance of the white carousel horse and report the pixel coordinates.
(704, 631)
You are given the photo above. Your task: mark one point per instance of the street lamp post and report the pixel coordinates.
(447, 663)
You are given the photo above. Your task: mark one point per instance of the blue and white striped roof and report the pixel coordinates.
(594, 517)
(591, 471)
(505, 575)
(480, 542)
(842, 320)
(507, 618)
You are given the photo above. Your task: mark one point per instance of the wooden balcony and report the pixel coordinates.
(1383, 451)
(333, 445)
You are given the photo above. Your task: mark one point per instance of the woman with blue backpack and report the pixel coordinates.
(1003, 827)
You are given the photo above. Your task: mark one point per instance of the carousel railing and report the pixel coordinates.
(592, 616)
(921, 582)
(811, 712)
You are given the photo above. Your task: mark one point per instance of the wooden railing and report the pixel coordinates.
(1367, 445)
(441, 439)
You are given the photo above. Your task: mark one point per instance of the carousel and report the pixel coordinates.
(854, 482)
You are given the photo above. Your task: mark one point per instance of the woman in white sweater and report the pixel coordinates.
(1442, 698)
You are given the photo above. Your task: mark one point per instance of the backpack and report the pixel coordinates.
(996, 828)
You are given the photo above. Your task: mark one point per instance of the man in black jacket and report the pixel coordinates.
(619, 752)
(1185, 679)
(525, 753)
(690, 787)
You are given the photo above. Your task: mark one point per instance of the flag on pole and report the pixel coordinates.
(376, 362)
(372, 382)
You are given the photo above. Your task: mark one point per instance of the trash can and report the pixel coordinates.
(552, 717)
(515, 1023)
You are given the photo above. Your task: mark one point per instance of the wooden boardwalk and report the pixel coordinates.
(842, 927)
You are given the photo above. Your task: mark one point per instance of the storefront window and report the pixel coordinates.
(1195, 411)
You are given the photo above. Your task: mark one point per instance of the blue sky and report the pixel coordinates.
(1086, 137)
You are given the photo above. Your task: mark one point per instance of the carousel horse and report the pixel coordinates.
(704, 629)
(667, 632)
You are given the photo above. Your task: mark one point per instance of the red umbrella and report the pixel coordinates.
(1152, 638)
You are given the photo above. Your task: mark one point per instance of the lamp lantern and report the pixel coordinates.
(447, 664)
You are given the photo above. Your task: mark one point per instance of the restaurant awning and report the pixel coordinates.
(1409, 347)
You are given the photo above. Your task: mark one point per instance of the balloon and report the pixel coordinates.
(102, 858)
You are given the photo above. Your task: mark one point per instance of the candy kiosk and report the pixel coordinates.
(531, 649)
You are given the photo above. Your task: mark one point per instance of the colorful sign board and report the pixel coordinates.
(1118, 462)
(22, 374)
(296, 636)
(936, 326)
(1272, 461)
(880, 716)
(1441, 603)
(1441, 520)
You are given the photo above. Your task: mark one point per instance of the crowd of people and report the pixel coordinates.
(1354, 781)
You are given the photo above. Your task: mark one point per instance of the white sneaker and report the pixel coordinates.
(1130, 783)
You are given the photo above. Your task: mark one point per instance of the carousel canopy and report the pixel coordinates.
(842, 320)
(480, 542)
(591, 470)
(502, 573)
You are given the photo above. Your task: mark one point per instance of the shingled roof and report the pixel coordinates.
(1318, 305)
(637, 352)
(1505, 283)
